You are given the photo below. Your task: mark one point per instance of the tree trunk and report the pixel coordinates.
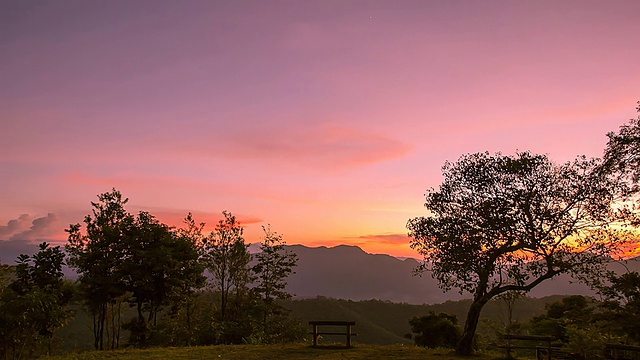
(223, 299)
(465, 345)
(101, 322)
(140, 314)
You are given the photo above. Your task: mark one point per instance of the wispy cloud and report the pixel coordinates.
(390, 239)
(321, 147)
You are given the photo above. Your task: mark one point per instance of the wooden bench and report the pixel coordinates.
(346, 324)
(542, 347)
(621, 351)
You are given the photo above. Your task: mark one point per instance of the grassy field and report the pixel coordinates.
(255, 352)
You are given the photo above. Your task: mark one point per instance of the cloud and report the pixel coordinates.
(322, 147)
(21, 235)
(40, 228)
(389, 239)
(15, 225)
(176, 217)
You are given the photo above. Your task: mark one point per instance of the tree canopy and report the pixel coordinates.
(121, 255)
(435, 330)
(501, 223)
(33, 305)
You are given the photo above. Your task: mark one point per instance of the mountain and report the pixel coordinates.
(347, 272)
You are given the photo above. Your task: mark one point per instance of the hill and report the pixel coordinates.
(347, 272)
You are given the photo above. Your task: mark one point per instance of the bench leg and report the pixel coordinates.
(348, 335)
(315, 335)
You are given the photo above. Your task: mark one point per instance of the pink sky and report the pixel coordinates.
(326, 119)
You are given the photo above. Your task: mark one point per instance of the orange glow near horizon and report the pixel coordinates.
(327, 120)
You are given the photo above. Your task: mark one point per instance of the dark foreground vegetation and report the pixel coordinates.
(142, 283)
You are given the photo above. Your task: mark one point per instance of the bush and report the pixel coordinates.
(436, 330)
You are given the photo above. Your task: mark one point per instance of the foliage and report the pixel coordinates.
(503, 223)
(137, 259)
(273, 264)
(623, 149)
(436, 330)
(623, 303)
(157, 265)
(586, 341)
(134, 258)
(575, 310)
(184, 302)
(33, 305)
(227, 258)
(509, 318)
(96, 256)
(579, 323)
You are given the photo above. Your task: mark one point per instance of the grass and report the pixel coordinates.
(251, 352)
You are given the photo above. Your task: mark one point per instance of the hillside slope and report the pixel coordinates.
(347, 272)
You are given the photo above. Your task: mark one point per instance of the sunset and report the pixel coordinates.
(281, 175)
(327, 120)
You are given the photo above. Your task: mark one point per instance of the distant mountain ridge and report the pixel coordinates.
(348, 272)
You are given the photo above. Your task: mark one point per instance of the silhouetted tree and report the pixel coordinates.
(622, 161)
(623, 149)
(273, 265)
(502, 223)
(623, 302)
(97, 255)
(571, 310)
(509, 300)
(435, 330)
(157, 264)
(184, 301)
(33, 305)
(227, 258)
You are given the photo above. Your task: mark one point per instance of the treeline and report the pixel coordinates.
(580, 325)
(143, 283)
(384, 322)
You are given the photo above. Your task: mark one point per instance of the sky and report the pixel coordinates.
(326, 119)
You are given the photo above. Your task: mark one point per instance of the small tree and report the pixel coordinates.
(96, 257)
(623, 303)
(34, 304)
(435, 330)
(509, 300)
(184, 302)
(575, 310)
(502, 223)
(157, 265)
(273, 265)
(227, 258)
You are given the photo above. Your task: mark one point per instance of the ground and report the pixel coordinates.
(294, 351)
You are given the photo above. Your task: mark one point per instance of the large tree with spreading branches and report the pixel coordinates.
(501, 223)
